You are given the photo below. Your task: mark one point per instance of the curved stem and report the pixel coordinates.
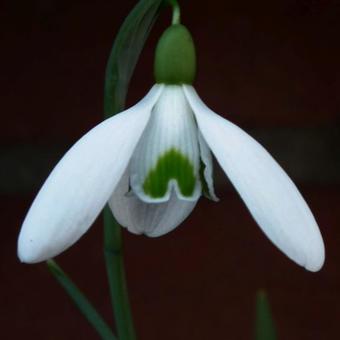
(121, 64)
(115, 270)
(176, 12)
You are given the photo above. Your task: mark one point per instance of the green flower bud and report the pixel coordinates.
(175, 59)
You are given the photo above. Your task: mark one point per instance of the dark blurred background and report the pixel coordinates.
(271, 67)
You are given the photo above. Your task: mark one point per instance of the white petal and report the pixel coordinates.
(270, 195)
(81, 183)
(168, 142)
(152, 219)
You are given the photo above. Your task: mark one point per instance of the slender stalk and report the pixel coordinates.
(81, 302)
(176, 12)
(116, 276)
(121, 64)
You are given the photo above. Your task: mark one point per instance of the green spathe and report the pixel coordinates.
(175, 60)
(172, 165)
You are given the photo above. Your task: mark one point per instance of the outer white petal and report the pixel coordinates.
(81, 183)
(152, 219)
(270, 195)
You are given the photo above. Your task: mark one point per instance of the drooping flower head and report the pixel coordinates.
(151, 164)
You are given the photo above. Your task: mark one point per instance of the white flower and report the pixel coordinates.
(151, 163)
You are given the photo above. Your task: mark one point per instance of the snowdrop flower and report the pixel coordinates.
(152, 163)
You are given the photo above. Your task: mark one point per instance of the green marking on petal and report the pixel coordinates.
(171, 165)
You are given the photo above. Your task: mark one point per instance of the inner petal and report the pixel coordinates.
(167, 157)
(151, 219)
(206, 170)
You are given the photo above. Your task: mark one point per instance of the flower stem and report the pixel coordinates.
(176, 12)
(120, 66)
(116, 276)
(81, 301)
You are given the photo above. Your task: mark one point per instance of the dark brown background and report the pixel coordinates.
(271, 67)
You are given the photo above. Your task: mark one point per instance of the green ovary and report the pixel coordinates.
(172, 165)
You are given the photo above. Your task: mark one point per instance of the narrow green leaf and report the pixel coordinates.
(264, 326)
(81, 302)
(125, 53)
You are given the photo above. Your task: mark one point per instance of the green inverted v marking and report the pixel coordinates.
(171, 165)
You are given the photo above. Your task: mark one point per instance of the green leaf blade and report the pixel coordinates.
(264, 326)
(125, 53)
(81, 302)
